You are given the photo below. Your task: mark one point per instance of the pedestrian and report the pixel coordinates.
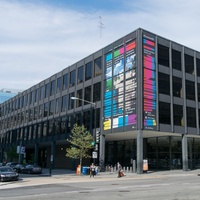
(119, 169)
(92, 170)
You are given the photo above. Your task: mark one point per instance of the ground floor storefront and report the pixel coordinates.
(162, 153)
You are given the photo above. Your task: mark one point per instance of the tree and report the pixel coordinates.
(12, 153)
(81, 143)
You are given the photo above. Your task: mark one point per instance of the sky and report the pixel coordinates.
(39, 38)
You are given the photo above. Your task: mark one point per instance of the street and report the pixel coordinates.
(147, 187)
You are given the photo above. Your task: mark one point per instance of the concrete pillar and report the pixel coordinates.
(184, 152)
(140, 152)
(102, 152)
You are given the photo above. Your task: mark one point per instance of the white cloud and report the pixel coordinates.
(37, 41)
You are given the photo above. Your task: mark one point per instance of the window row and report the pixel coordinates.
(61, 104)
(189, 61)
(178, 117)
(58, 126)
(83, 73)
(177, 87)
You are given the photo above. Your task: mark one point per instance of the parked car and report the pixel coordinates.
(7, 174)
(32, 169)
(18, 168)
(11, 164)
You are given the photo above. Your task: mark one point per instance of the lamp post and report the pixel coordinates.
(94, 104)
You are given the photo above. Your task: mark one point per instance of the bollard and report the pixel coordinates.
(134, 166)
(127, 169)
(131, 169)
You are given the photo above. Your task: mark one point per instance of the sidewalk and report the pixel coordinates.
(64, 176)
(66, 172)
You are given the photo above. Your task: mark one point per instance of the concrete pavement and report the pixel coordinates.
(60, 176)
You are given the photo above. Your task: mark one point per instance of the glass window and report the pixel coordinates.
(176, 60)
(36, 95)
(78, 118)
(178, 115)
(64, 103)
(57, 126)
(65, 81)
(47, 90)
(191, 117)
(30, 133)
(177, 87)
(58, 105)
(35, 113)
(87, 120)
(88, 71)
(63, 128)
(42, 92)
(164, 113)
(30, 114)
(50, 129)
(198, 66)
(97, 66)
(163, 83)
(198, 88)
(39, 132)
(59, 85)
(97, 92)
(80, 75)
(189, 64)
(53, 87)
(163, 55)
(46, 108)
(34, 131)
(51, 108)
(44, 129)
(72, 78)
(190, 90)
(70, 101)
(40, 111)
(80, 96)
(32, 97)
(87, 94)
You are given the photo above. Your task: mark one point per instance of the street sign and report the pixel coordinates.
(94, 154)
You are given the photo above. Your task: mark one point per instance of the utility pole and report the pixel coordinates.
(101, 25)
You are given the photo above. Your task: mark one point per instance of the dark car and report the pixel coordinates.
(18, 168)
(7, 174)
(32, 169)
(11, 164)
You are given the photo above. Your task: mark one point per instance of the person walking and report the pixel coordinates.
(119, 169)
(92, 170)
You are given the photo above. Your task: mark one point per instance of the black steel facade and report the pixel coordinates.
(147, 94)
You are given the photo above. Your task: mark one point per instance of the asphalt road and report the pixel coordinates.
(159, 187)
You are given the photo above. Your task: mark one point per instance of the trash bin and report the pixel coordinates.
(84, 170)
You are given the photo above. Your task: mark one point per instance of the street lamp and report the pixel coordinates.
(92, 103)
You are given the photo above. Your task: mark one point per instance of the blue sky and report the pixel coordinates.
(49, 35)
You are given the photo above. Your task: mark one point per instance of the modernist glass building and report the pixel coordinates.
(146, 91)
(6, 94)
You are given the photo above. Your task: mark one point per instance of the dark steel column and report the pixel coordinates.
(140, 151)
(36, 153)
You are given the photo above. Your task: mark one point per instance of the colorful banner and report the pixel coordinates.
(149, 81)
(120, 87)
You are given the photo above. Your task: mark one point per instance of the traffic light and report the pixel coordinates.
(97, 137)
